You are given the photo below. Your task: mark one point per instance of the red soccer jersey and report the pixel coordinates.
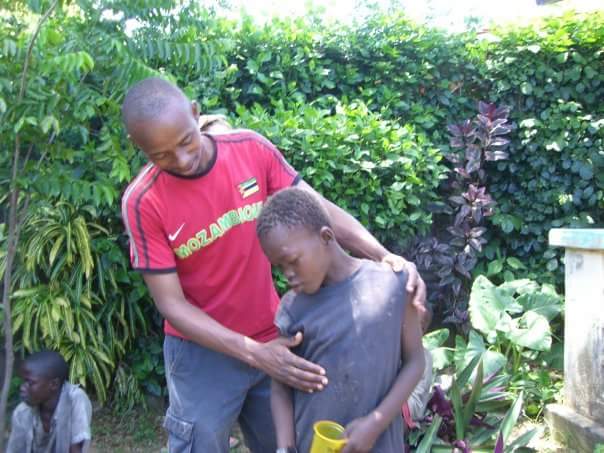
(204, 229)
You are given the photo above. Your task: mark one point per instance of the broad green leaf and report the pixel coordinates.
(488, 306)
(436, 338)
(532, 331)
(464, 353)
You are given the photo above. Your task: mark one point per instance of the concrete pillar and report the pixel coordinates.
(579, 422)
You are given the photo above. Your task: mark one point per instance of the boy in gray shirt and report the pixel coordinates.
(54, 416)
(356, 324)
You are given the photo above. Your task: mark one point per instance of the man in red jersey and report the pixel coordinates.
(191, 216)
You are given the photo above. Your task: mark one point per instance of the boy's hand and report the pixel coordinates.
(416, 287)
(361, 434)
(276, 360)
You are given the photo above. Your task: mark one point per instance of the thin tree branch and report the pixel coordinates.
(13, 239)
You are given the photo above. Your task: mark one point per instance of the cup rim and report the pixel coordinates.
(328, 439)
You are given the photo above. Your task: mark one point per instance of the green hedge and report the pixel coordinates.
(552, 76)
(383, 173)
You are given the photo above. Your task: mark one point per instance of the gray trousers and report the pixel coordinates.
(208, 393)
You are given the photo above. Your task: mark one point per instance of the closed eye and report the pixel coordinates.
(159, 156)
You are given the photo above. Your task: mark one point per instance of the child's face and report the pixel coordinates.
(172, 140)
(36, 388)
(301, 254)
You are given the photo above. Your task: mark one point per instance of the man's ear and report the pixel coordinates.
(195, 109)
(55, 383)
(327, 235)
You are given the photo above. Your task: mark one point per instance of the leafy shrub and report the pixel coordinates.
(383, 173)
(518, 319)
(69, 267)
(552, 77)
(447, 257)
(500, 364)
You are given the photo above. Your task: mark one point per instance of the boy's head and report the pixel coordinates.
(296, 235)
(162, 122)
(43, 375)
(214, 124)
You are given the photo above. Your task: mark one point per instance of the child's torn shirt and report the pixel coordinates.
(70, 424)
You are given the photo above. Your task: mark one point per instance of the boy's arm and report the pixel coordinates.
(283, 414)
(363, 432)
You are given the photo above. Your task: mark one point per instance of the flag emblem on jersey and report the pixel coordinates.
(249, 187)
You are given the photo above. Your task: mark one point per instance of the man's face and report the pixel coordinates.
(172, 140)
(301, 254)
(36, 388)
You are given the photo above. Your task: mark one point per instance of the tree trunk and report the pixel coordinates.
(12, 242)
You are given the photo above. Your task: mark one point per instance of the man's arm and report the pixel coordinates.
(355, 238)
(283, 414)
(274, 357)
(363, 432)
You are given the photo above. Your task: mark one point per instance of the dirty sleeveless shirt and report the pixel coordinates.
(353, 330)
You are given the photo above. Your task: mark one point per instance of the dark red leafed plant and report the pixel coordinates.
(447, 257)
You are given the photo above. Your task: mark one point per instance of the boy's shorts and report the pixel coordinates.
(208, 393)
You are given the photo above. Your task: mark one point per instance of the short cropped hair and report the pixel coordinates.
(49, 364)
(292, 207)
(148, 98)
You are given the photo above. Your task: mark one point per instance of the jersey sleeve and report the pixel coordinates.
(280, 174)
(149, 247)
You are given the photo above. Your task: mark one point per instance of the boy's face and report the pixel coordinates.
(301, 254)
(36, 388)
(172, 140)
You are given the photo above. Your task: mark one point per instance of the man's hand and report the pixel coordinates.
(416, 288)
(361, 434)
(276, 360)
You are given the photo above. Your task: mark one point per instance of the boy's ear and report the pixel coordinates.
(327, 235)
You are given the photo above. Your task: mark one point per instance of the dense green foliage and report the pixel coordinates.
(360, 110)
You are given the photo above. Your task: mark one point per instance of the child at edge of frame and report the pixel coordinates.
(55, 415)
(356, 322)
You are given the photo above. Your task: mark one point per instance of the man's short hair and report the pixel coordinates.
(148, 98)
(291, 208)
(49, 364)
